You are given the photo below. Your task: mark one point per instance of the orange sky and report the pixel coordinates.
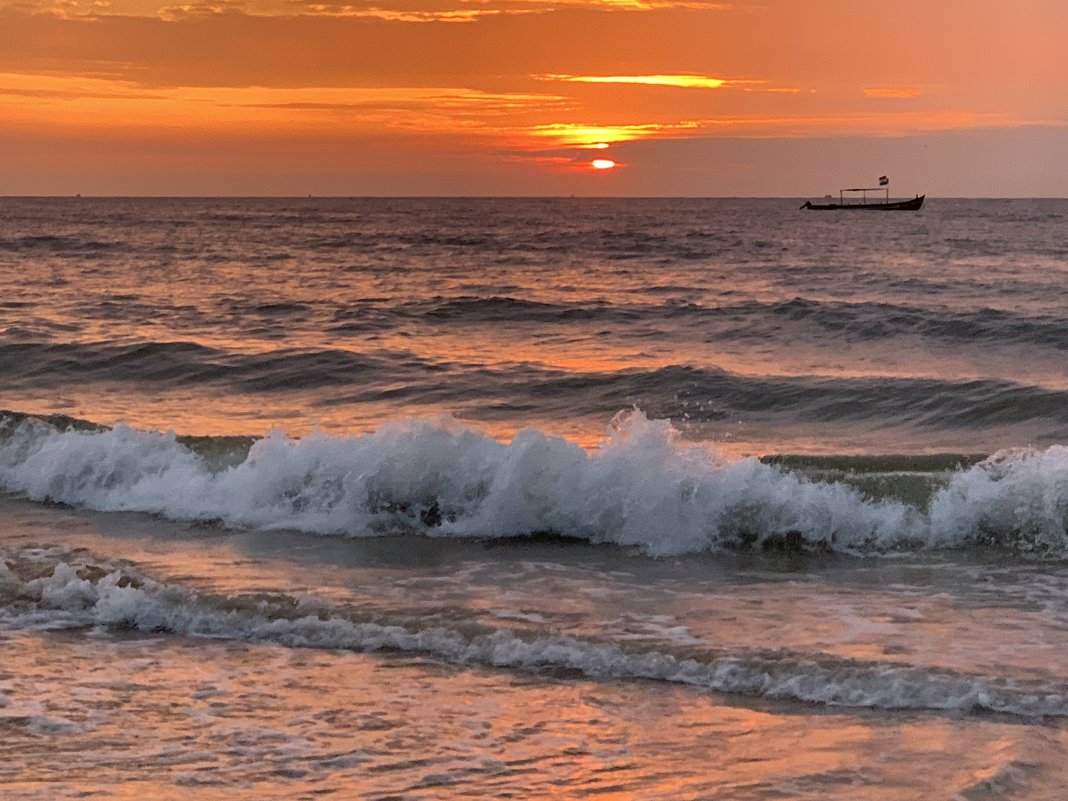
(461, 97)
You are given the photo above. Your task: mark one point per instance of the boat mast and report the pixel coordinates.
(863, 193)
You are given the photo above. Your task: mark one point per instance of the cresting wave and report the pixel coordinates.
(50, 589)
(643, 487)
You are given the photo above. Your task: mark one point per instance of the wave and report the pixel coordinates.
(61, 245)
(51, 588)
(712, 394)
(863, 321)
(643, 488)
(677, 392)
(192, 364)
(512, 310)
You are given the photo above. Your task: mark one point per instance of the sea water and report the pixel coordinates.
(531, 498)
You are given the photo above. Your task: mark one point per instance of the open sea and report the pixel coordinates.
(533, 498)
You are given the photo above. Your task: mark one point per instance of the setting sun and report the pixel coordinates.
(125, 97)
(603, 164)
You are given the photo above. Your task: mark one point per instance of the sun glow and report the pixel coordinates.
(520, 96)
(596, 135)
(603, 164)
(681, 81)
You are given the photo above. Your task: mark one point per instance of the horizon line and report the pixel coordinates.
(83, 196)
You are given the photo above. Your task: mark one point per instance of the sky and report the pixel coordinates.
(791, 98)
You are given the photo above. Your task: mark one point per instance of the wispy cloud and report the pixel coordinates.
(895, 92)
(361, 100)
(461, 10)
(413, 11)
(680, 81)
(579, 135)
(573, 135)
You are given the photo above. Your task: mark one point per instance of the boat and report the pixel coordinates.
(912, 204)
(844, 204)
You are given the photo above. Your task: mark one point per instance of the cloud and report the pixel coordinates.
(580, 135)
(517, 76)
(194, 11)
(109, 108)
(463, 101)
(894, 92)
(857, 124)
(464, 10)
(394, 10)
(680, 81)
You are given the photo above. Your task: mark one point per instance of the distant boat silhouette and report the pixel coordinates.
(880, 205)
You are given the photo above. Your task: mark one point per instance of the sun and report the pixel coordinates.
(602, 164)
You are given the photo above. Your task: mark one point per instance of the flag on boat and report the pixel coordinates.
(883, 180)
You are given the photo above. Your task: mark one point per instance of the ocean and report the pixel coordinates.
(533, 498)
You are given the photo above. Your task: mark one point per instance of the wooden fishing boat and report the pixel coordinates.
(862, 203)
(913, 204)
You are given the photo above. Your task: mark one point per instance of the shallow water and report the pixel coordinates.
(268, 665)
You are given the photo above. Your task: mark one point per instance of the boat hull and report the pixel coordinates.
(895, 205)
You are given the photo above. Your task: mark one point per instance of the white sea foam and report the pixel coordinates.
(643, 487)
(1017, 497)
(83, 593)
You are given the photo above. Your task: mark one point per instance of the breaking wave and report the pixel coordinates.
(643, 487)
